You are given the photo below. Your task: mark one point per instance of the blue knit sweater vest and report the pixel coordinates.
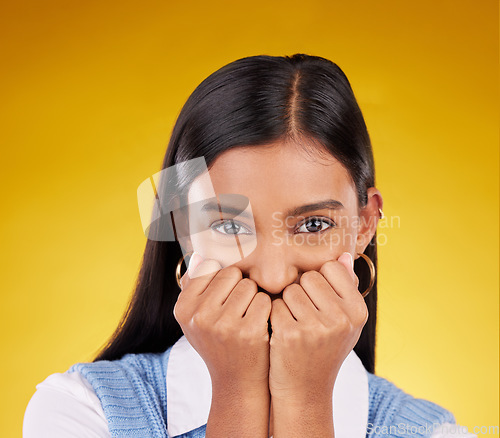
(132, 391)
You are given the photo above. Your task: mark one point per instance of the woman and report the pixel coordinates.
(268, 185)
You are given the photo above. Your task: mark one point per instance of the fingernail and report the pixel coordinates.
(194, 261)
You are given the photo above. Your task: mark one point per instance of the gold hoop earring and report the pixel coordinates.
(381, 213)
(178, 268)
(372, 274)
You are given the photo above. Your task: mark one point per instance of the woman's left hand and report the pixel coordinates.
(314, 327)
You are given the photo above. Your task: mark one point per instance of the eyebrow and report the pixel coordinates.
(233, 211)
(330, 204)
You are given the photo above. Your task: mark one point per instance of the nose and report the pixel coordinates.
(272, 267)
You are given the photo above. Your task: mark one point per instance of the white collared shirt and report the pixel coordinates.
(65, 404)
(189, 393)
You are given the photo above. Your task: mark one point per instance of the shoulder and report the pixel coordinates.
(131, 390)
(89, 399)
(395, 413)
(125, 378)
(64, 405)
(146, 366)
(400, 413)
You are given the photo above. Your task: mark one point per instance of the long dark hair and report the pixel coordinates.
(252, 101)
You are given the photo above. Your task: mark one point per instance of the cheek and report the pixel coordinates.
(198, 243)
(319, 244)
(310, 252)
(311, 259)
(226, 250)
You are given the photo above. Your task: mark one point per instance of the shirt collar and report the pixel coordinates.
(189, 393)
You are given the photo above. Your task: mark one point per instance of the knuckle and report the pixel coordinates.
(177, 311)
(247, 335)
(322, 333)
(230, 272)
(198, 320)
(182, 281)
(221, 330)
(261, 302)
(291, 337)
(308, 276)
(290, 292)
(248, 283)
(342, 321)
(265, 298)
(208, 267)
(327, 267)
(363, 315)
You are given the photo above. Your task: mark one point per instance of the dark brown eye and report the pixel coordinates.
(315, 225)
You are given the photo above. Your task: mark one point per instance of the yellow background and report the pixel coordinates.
(89, 94)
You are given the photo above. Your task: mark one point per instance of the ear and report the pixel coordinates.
(368, 219)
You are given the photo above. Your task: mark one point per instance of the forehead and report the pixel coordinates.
(278, 175)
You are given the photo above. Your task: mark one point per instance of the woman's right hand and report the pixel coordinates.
(225, 319)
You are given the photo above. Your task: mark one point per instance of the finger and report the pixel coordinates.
(259, 309)
(347, 260)
(200, 277)
(221, 286)
(299, 303)
(339, 278)
(240, 297)
(207, 269)
(280, 314)
(194, 261)
(319, 290)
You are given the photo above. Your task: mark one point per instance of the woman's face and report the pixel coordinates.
(280, 232)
